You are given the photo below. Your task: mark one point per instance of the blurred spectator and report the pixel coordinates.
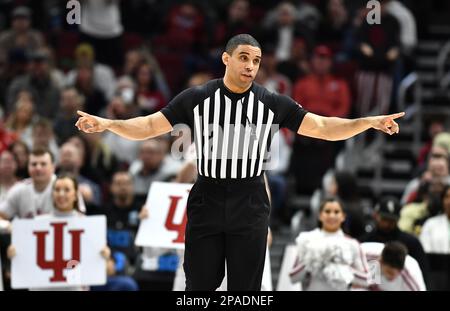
(149, 99)
(124, 150)
(6, 137)
(270, 78)
(320, 92)
(71, 162)
(63, 125)
(42, 135)
(428, 203)
(101, 26)
(99, 162)
(33, 196)
(298, 64)
(94, 98)
(387, 214)
(184, 28)
(123, 215)
(149, 167)
(103, 76)
(238, 21)
(407, 22)
(335, 26)
(379, 49)
(437, 168)
(435, 127)
(39, 83)
(21, 36)
(282, 27)
(8, 168)
(21, 154)
(435, 235)
(20, 121)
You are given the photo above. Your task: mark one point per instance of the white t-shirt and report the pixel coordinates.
(410, 279)
(101, 18)
(24, 201)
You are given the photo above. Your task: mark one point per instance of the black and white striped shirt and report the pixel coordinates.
(236, 141)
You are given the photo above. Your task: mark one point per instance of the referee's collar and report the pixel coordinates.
(233, 95)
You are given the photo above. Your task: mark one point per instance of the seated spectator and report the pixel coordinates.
(122, 212)
(64, 195)
(427, 204)
(71, 162)
(71, 101)
(435, 235)
(94, 98)
(39, 83)
(148, 98)
(387, 213)
(397, 271)
(21, 153)
(270, 78)
(33, 196)
(21, 119)
(8, 168)
(42, 135)
(125, 150)
(150, 167)
(103, 76)
(437, 168)
(20, 35)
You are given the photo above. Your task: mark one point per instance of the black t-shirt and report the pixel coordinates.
(237, 140)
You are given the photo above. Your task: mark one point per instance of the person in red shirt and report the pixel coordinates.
(320, 92)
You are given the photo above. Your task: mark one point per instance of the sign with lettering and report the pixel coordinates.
(165, 226)
(58, 252)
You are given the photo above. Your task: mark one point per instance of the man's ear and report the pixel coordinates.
(225, 58)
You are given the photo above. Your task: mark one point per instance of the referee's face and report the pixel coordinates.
(242, 65)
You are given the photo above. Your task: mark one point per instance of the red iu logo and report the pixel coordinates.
(171, 225)
(58, 264)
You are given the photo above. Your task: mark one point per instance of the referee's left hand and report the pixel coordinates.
(386, 123)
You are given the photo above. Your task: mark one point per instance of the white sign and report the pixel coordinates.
(58, 252)
(165, 226)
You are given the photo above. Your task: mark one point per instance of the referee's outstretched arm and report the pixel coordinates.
(136, 128)
(333, 128)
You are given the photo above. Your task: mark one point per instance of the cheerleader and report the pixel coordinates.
(327, 259)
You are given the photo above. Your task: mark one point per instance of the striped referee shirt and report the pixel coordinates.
(232, 132)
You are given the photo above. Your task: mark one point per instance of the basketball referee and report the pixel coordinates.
(230, 118)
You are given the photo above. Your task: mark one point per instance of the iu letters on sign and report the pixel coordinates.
(165, 226)
(58, 252)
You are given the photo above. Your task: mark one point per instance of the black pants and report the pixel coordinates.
(227, 222)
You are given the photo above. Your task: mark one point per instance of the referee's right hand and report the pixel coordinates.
(91, 124)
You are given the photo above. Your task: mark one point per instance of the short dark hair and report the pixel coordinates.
(40, 150)
(394, 255)
(241, 39)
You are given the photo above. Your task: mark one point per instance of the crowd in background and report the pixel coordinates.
(129, 58)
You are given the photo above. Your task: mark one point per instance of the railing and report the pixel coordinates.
(443, 76)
